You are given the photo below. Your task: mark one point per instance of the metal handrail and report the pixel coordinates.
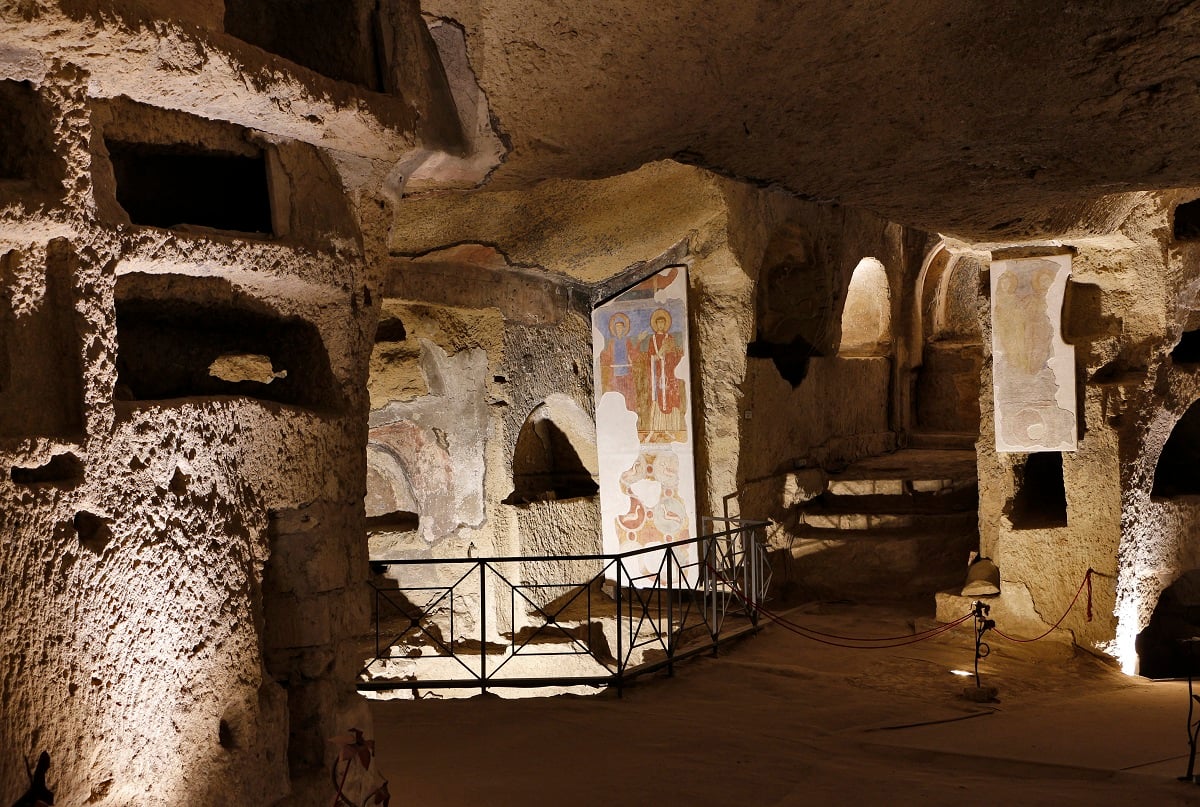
(659, 604)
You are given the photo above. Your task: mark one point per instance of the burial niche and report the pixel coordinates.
(337, 40)
(26, 148)
(172, 186)
(551, 457)
(1040, 498)
(211, 343)
(1161, 647)
(1176, 474)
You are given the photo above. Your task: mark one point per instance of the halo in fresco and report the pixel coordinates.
(643, 418)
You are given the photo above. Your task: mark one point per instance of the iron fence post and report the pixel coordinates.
(482, 628)
(670, 617)
(620, 630)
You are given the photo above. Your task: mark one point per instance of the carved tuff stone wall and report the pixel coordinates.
(185, 319)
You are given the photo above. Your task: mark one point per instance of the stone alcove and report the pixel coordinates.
(555, 453)
(949, 343)
(1162, 649)
(794, 307)
(867, 315)
(226, 191)
(1175, 475)
(186, 337)
(1039, 492)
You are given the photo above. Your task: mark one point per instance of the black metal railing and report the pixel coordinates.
(562, 620)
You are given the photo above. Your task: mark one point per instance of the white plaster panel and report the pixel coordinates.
(1033, 369)
(642, 369)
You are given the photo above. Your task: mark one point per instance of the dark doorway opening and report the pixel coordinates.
(1040, 500)
(1176, 472)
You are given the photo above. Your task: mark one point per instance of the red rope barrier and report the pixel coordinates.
(815, 635)
(1087, 583)
(868, 643)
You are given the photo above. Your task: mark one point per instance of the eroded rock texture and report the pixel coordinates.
(285, 287)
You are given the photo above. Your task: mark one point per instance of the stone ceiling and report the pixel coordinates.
(985, 121)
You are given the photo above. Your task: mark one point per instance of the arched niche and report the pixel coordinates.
(1162, 653)
(948, 339)
(794, 305)
(867, 315)
(390, 500)
(555, 453)
(1175, 475)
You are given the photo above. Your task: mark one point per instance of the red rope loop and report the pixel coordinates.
(868, 643)
(1087, 583)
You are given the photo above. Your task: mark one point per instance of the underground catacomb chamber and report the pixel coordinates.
(177, 185)
(1040, 497)
(185, 348)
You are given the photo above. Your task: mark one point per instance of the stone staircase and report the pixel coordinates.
(891, 526)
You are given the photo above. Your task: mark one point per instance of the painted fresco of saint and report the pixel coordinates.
(618, 361)
(1024, 334)
(662, 406)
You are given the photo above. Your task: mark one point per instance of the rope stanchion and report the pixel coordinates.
(1087, 583)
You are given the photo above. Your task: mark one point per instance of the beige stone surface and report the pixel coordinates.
(185, 549)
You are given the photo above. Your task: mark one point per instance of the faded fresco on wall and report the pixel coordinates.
(1033, 369)
(644, 420)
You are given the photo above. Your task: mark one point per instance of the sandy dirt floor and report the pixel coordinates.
(778, 719)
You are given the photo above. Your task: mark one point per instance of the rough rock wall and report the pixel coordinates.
(182, 556)
(804, 405)
(1150, 383)
(1116, 315)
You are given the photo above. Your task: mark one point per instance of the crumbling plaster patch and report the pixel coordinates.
(439, 439)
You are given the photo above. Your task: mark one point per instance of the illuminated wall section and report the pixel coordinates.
(1033, 369)
(642, 369)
